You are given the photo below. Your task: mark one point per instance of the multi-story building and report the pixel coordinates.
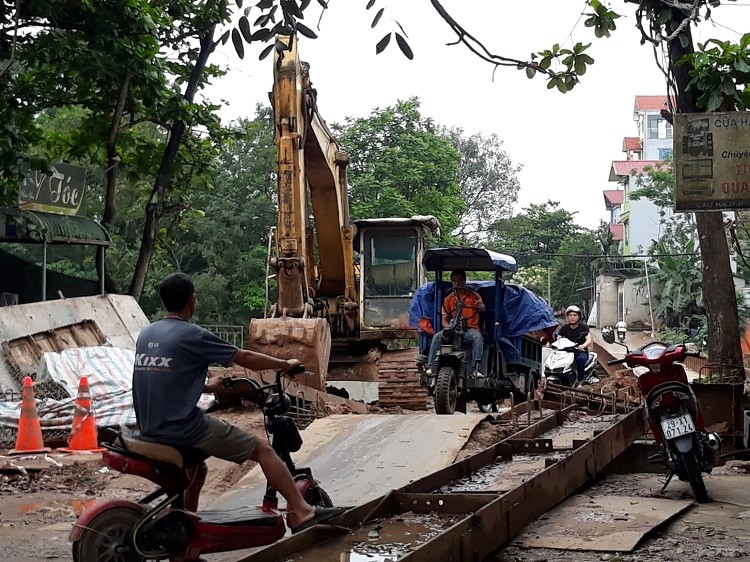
(638, 221)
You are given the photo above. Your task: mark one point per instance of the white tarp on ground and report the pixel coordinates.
(110, 374)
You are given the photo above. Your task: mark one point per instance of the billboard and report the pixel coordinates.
(60, 191)
(712, 161)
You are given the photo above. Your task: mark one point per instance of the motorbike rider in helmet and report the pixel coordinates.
(578, 332)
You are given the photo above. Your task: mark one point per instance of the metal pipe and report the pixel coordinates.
(44, 271)
(271, 234)
(650, 305)
(102, 254)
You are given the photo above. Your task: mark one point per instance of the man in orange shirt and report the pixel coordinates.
(472, 306)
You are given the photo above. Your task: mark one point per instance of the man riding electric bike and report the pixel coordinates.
(171, 362)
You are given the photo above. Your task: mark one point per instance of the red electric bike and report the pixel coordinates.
(673, 412)
(130, 531)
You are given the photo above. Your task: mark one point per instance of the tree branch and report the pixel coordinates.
(478, 48)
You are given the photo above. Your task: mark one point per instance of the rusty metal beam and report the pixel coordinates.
(358, 516)
(500, 521)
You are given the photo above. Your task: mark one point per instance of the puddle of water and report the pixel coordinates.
(382, 540)
(18, 507)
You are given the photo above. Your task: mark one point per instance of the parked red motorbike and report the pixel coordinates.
(673, 412)
(129, 531)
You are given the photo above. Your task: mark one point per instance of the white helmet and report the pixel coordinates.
(573, 308)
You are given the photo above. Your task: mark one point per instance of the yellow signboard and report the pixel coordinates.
(712, 161)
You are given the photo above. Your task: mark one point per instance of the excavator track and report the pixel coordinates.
(398, 381)
(470, 509)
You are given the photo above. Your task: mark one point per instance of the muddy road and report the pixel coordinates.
(37, 509)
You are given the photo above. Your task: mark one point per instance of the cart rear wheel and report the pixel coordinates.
(446, 391)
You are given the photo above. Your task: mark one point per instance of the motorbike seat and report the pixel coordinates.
(181, 456)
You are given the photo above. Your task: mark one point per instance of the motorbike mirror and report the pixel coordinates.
(608, 334)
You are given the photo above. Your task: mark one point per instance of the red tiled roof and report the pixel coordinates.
(651, 103)
(622, 168)
(617, 231)
(613, 197)
(631, 143)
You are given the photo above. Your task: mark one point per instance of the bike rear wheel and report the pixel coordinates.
(109, 538)
(694, 477)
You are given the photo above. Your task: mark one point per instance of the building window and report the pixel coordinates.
(665, 153)
(658, 128)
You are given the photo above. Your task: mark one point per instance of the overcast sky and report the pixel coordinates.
(565, 143)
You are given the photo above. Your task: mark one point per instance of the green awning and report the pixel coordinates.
(36, 227)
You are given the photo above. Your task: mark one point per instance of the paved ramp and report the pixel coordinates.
(359, 458)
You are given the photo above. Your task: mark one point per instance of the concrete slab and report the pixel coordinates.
(359, 458)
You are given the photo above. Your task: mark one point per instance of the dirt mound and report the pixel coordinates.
(81, 477)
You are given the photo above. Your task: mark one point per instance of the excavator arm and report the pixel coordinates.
(310, 165)
(314, 263)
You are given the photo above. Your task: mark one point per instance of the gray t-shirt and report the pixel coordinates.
(171, 362)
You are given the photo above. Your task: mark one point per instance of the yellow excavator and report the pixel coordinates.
(344, 287)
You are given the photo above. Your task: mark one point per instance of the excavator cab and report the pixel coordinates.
(390, 251)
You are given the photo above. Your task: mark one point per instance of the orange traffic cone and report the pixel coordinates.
(83, 433)
(29, 437)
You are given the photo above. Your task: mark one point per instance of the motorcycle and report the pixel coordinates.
(128, 531)
(673, 412)
(560, 368)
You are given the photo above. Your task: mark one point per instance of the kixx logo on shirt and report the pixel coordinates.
(144, 360)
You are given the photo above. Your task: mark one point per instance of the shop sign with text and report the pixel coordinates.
(712, 161)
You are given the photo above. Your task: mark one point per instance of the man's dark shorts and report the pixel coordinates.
(225, 441)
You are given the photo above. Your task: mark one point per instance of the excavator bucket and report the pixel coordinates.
(306, 339)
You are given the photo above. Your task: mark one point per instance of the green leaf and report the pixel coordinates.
(741, 65)
(245, 29)
(238, 45)
(404, 46)
(377, 17)
(530, 72)
(370, 4)
(382, 44)
(265, 52)
(684, 40)
(239, 3)
(306, 31)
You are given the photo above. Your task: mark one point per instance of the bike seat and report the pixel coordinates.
(183, 457)
(239, 516)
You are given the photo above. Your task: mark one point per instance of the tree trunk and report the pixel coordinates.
(718, 282)
(113, 161)
(153, 211)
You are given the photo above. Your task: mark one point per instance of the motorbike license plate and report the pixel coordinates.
(676, 427)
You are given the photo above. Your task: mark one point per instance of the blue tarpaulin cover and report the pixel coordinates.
(522, 312)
